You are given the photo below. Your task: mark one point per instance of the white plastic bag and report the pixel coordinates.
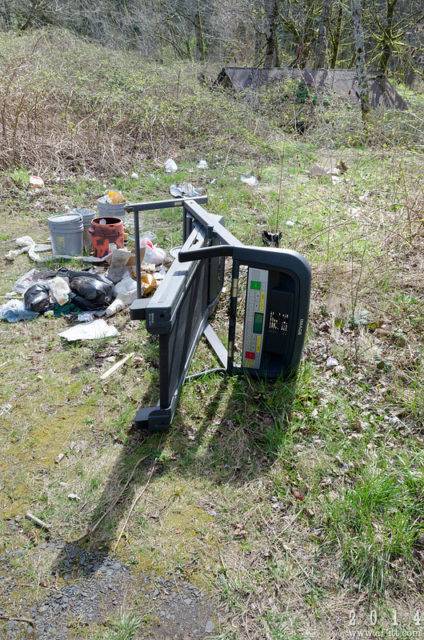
(170, 166)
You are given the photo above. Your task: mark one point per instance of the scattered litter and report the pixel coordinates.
(37, 298)
(271, 239)
(149, 283)
(116, 366)
(24, 282)
(134, 175)
(59, 458)
(170, 166)
(185, 190)
(331, 362)
(90, 290)
(289, 223)
(355, 212)
(153, 254)
(202, 164)
(28, 245)
(159, 275)
(73, 496)
(86, 316)
(213, 181)
(14, 310)
(40, 523)
(118, 265)
(115, 197)
(90, 331)
(252, 181)
(60, 290)
(126, 293)
(4, 410)
(36, 182)
(317, 170)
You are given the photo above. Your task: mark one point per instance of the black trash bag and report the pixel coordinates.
(91, 291)
(37, 298)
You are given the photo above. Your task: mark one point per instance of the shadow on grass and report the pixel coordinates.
(234, 444)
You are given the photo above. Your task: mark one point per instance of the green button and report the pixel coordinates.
(255, 284)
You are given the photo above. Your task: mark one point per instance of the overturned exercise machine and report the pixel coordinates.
(275, 308)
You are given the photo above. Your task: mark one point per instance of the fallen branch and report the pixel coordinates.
(116, 366)
(136, 499)
(115, 502)
(40, 523)
(17, 619)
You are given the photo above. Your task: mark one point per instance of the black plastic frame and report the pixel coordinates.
(180, 309)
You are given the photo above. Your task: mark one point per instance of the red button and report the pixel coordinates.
(250, 355)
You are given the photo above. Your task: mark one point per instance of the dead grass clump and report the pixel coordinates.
(69, 105)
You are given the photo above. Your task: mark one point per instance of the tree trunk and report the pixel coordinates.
(200, 36)
(335, 40)
(361, 67)
(271, 49)
(321, 49)
(387, 48)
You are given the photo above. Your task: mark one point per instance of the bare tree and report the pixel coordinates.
(360, 63)
(321, 49)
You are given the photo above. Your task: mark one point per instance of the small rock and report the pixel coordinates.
(210, 627)
(331, 362)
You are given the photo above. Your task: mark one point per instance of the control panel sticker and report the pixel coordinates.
(254, 319)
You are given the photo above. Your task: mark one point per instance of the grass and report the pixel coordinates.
(294, 505)
(377, 522)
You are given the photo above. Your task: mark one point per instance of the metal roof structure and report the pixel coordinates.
(343, 82)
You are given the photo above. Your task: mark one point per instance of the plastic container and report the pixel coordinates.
(66, 233)
(105, 208)
(107, 234)
(87, 216)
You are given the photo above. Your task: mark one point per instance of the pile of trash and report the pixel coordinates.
(87, 294)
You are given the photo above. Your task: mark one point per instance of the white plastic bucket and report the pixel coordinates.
(106, 209)
(66, 233)
(87, 216)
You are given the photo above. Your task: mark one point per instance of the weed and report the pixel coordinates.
(376, 523)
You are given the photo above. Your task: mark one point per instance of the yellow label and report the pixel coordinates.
(258, 344)
(262, 301)
(249, 363)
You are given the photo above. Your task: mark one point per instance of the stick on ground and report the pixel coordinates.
(17, 619)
